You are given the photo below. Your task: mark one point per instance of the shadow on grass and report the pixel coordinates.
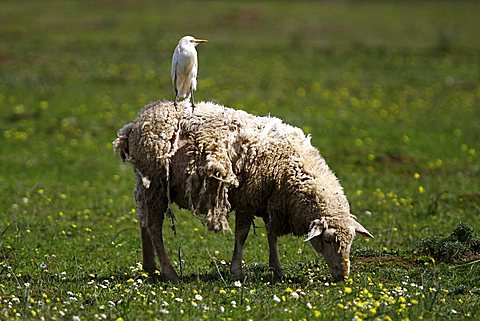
(255, 273)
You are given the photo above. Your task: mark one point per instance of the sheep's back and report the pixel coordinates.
(151, 137)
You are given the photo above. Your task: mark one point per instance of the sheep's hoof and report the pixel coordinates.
(239, 274)
(170, 276)
(278, 274)
(150, 268)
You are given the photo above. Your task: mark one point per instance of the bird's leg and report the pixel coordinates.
(191, 99)
(175, 101)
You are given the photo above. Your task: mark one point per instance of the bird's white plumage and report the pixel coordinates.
(185, 67)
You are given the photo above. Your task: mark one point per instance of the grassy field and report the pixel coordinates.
(389, 91)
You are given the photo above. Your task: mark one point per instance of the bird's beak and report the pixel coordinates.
(199, 40)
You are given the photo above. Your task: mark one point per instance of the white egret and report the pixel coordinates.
(184, 68)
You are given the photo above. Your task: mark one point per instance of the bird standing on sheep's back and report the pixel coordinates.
(184, 68)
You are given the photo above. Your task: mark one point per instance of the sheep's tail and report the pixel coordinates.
(120, 145)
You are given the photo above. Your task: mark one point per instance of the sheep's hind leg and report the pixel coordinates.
(152, 203)
(155, 225)
(147, 251)
(242, 227)
(155, 229)
(273, 257)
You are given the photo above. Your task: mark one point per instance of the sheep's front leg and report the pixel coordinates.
(273, 257)
(147, 251)
(242, 227)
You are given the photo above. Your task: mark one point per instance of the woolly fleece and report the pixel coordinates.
(218, 158)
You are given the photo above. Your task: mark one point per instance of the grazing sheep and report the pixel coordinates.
(220, 159)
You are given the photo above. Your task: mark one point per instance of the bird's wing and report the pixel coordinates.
(174, 67)
(174, 77)
(194, 71)
(195, 65)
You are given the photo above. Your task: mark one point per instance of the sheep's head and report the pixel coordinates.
(334, 242)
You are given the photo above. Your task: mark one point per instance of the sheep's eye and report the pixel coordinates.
(329, 236)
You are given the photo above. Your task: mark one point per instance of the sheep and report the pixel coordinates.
(219, 159)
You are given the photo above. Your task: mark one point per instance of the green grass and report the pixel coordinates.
(389, 91)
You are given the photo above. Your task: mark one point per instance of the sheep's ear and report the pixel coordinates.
(360, 229)
(316, 228)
